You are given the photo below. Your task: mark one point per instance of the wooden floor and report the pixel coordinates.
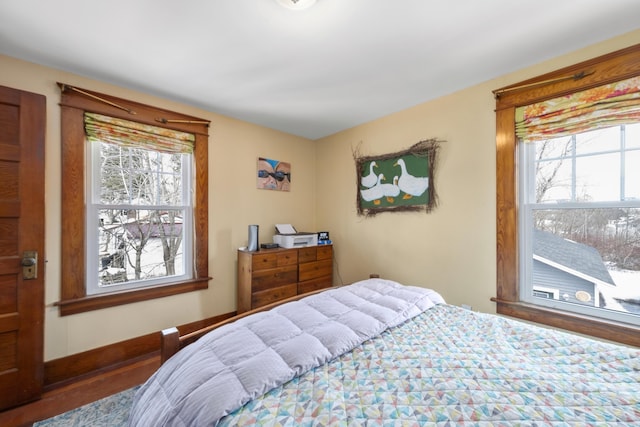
(77, 393)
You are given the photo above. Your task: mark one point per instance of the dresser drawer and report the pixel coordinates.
(268, 259)
(325, 252)
(315, 284)
(287, 258)
(313, 270)
(258, 299)
(315, 253)
(307, 254)
(273, 277)
(264, 261)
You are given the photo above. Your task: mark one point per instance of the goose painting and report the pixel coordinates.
(412, 186)
(371, 179)
(375, 193)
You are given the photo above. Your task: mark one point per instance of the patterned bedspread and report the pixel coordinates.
(449, 366)
(242, 360)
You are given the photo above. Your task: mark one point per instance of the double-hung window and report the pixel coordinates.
(568, 198)
(134, 191)
(580, 222)
(139, 205)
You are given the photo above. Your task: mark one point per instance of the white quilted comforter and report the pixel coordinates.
(238, 362)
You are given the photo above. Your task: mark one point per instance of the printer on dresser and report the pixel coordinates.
(269, 275)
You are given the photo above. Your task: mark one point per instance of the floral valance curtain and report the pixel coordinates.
(133, 134)
(600, 107)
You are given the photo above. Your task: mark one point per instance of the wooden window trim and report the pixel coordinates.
(606, 69)
(74, 103)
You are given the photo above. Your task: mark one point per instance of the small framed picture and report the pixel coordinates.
(273, 174)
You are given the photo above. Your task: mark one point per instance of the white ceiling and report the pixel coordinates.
(310, 73)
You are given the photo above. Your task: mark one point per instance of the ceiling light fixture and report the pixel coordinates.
(296, 4)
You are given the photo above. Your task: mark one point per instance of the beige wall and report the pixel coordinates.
(451, 249)
(234, 202)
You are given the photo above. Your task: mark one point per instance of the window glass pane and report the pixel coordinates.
(140, 177)
(632, 135)
(598, 141)
(138, 244)
(563, 176)
(170, 191)
(588, 257)
(632, 176)
(114, 186)
(598, 178)
(554, 148)
(554, 181)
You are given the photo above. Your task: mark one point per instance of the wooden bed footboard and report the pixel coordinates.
(171, 341)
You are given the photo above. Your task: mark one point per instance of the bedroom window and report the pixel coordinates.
(580, 222)
(139, 207)
(568, 198)
(134, 202)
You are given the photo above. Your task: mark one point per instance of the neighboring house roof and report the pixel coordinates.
(573, 256)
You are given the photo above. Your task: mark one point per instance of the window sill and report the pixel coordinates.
(97, 302)
(599, 328)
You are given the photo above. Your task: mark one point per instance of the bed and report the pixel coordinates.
(381, 353)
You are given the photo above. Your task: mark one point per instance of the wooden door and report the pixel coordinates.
(22, 126)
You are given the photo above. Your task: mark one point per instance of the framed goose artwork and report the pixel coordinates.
(401, 181)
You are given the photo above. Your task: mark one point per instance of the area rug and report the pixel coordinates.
(112, 411)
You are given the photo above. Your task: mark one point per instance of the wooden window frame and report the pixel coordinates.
(74, 103)
(615, 66)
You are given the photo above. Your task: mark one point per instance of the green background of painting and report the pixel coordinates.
(416, 165)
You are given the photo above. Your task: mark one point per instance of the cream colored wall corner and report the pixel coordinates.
(452, 249)
(234, 203)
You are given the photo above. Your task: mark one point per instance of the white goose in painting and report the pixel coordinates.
(371, 179)
(391, 191)
(409, 184)
(374, 193)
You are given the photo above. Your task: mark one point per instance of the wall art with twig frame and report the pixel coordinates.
(397, 182)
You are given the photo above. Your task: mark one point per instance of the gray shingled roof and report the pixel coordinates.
(575, 256)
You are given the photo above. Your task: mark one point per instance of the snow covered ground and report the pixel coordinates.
(627, 284)
(626, 295)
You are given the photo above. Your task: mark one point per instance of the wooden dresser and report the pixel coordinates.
(269, 275)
